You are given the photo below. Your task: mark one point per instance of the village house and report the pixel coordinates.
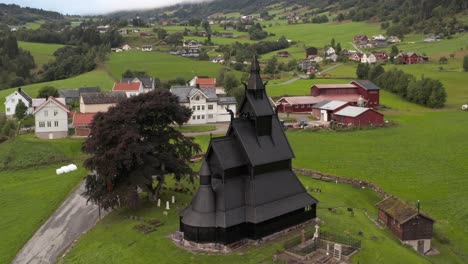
(12, 100)
(283, 54)
(324, 110)
(126, 47)
(330, 51)
(358, 116)
(190, 52)
(355, 57)
(332, 57)
(82, 123)
(130, 88)
(218, 59)
(191, 44)
(407, 223)
(147, 48)
(316, 58)
(202, 82)
(206, 105)
(410, 58)
(296, 104)
(393, 39)
(312, 51)
(381, 56)
(51, 119)
(100, 102)
(361, 39)
(147, 82)
(73, 95)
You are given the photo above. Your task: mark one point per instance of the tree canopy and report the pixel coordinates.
(20, 110)
(47, 91)
(133, 145)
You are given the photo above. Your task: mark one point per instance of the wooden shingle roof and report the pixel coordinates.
(399, 210)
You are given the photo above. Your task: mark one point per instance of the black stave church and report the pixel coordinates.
(247, 187)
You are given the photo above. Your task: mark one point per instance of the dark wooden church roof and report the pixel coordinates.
(399, 210)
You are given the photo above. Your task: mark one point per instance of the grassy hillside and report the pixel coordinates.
(41, 52)
(161, 65)
(30, 190)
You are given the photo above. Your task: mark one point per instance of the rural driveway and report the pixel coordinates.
(221, 128)
(68, 223)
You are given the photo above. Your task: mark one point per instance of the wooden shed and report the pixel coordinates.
(359, 116)
(407, 223)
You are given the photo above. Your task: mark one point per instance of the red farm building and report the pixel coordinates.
(358, 116)
(407, 223)
(325, 109)
(410, 58)
(82, 123)
(297, 104)
(359, 92)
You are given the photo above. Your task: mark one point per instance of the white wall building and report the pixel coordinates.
(12, 100)
(130, 88)
(206, 106)
(51, 119)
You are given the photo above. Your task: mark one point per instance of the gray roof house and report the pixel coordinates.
(73, 95)
(148, 82)
(247, 187)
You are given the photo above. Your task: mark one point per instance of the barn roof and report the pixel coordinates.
(206, 82)
(55, 101)
(332, 105)
(335, 86)
(366, 84)
(322, 103)
(295, 100)
(69, 93)
(399, 210)
(353, 111)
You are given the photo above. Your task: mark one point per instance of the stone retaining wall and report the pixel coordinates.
(333, 178)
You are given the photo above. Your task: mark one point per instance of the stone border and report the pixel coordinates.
(338, 179)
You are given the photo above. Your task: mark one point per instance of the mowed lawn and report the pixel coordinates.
(160, 65)
(113, 240)
(30, 191)
(423, 158)
(42, 53)
(94, 78)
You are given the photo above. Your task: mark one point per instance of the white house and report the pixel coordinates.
(149, 83)
(130, 88)
(206, 105)
(364, 58)
(147, 48)
(51, 119)
(12, 100)
(126, 47)
(330, 51)
(371, 58)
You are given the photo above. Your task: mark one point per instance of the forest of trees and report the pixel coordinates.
(15, 15)
(426, 91)
(15, 63)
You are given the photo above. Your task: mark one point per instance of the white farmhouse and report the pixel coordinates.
(51, 119)
(206, 106)
(364, 58)
(330, 51)
(12, 100)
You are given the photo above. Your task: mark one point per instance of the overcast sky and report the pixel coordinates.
(84, 7)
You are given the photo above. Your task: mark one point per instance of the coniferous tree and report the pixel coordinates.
(20, 110)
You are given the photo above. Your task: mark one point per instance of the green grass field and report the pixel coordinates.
(119, 243)
(41, 52)
(424, 158)
(161, 65)
(30, 191)
(196, 128)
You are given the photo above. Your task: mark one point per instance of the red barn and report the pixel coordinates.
(361, 39)
(82, 123)
(297, 104)
(358, 116)
(407, 223)
(409, 58)
(369, 91)
(381, 56)
(359, 92)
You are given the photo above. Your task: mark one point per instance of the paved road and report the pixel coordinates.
(68, 223)
(356, 47)
(329, 68)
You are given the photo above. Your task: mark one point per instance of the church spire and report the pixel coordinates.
(255, 82)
